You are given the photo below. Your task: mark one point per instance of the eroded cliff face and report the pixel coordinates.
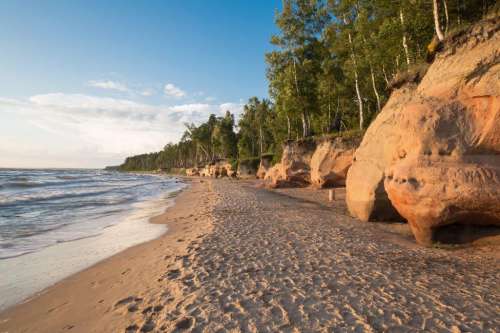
(220, 168)
(433, 153)
(365, 193)
(331, 161)
(192, 172)
(294, 167)
(264, 166)
(247, 169)
(322, 163)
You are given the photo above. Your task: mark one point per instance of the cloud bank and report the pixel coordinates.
(91, 131)
(109, 85)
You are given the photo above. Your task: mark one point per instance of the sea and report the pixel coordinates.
(56, 222)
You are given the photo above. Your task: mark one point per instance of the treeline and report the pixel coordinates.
(330, 71)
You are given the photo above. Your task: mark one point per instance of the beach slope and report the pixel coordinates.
(241, 258)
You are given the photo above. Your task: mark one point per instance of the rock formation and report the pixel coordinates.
(365, 194)
(205, 172)
(331, 160)
(434, 150)
(264, 165)
(192, 172)
(218, 168)
(226, 169)
(294, 168)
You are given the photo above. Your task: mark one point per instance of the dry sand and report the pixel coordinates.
(241, 258)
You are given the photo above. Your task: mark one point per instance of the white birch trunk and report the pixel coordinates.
(260, 139)
(437, 27)
(356, 83)
(405, 44)
(305, 130)
(375, 88)
(385, 76)
(447, 22)
(289, 127)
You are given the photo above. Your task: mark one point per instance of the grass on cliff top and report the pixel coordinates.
(353, 134)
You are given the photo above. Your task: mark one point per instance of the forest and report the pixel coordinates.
(332, 68)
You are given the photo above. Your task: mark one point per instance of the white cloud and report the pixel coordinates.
(148, 92)
(173, 91)
(56, 126)
(210, 99)
(110, 85)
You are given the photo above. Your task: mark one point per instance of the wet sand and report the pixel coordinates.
(238, 258)
(113, 294)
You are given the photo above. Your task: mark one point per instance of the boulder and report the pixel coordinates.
(294, 168)
(433, 153)
(264, 165)
(331, 161)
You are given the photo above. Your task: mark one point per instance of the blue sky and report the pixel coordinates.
(86, 83)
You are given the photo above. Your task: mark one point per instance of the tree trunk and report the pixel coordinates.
(385, 76)
(437, 27)
(304, 125)
(289, 127)
(372, 74)
(405, 44)
(329, 126)
(446, 17)
(260, 139)
(305, 129)
(375, 88)
(356, 83)
(338, 117)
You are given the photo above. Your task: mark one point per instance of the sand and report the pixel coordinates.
(238, 258)
(112, 294)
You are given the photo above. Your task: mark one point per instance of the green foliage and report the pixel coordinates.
(334, 62)
(199, 145)
(255, 128)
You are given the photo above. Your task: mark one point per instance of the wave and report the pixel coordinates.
(20, 184)
(44, 196)
(34, 205)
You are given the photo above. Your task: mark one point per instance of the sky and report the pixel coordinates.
(83, 84)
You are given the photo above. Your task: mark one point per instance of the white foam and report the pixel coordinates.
(26, 275)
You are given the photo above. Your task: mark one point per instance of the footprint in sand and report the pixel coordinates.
(184, 323)
(173, 274)
(131, 328)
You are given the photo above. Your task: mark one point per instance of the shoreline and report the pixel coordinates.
(98, 239)
(241, 258)
(49, 310)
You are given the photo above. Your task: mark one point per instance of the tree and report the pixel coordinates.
(437, 26)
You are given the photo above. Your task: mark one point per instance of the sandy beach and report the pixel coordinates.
(241, 258)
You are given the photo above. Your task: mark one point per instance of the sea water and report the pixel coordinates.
(54, 223)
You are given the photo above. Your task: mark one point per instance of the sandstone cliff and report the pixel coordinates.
(331, 161)
(264, 166)
(294, 168)
(433, 153)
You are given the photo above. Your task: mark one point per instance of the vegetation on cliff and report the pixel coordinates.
(332, 68)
